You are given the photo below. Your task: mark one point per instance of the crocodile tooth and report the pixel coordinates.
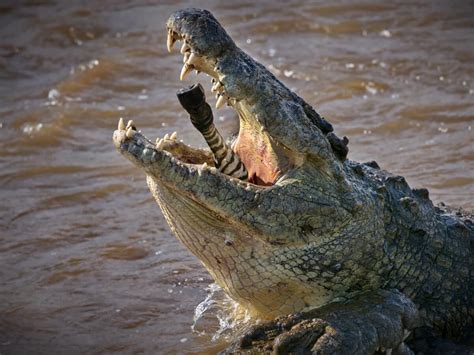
(220, 101)
(170, 41)
(121, 125)
(158, 140)
(174, 135)
(193, 58)
(217, 86)
(185, 47)
(204, 165)
(185, 57)
(185, 71)
(130, 133)
(159, 143)
(130, 124)
(166, 137)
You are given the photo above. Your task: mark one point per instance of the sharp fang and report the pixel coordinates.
(217, 86)
(174, 135)
(166, 137)
(185, 47)
(130, 124)
(159, 143)
(121, 125)
(130, 132)
(170, 41)
(220, 101)
(185, 71)
(186, 57)
(204, 165)
(193, 58)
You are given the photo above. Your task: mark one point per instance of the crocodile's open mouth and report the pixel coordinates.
(265, 159)
(278, 131)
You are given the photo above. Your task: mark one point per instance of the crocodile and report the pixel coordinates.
(338, 256)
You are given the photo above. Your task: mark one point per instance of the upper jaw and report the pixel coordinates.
(205, 45)
(201, 30)
(207, 48)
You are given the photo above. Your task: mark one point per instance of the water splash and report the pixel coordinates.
(220, 316)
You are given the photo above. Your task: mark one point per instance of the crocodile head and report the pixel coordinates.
(273, 243)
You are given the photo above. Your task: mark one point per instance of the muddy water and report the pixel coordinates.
(87, 262)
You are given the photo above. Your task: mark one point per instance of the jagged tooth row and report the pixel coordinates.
(227, 161)
(159, 143)
(190, 60)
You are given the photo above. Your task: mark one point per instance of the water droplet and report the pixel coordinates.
(93, 63)
(248, 41)
(288, 73)
(385, 33)
(183, 340)
(372, 90)
(32, 128)
(53, 94)
(350, 66)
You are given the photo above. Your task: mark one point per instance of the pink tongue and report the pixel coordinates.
(262, 170)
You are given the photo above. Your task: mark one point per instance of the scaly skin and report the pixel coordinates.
(326, 230)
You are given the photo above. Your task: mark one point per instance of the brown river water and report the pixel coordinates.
(88, 264)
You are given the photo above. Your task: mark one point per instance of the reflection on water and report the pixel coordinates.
(88, 263)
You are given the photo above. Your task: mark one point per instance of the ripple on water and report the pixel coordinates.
(124, 252)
